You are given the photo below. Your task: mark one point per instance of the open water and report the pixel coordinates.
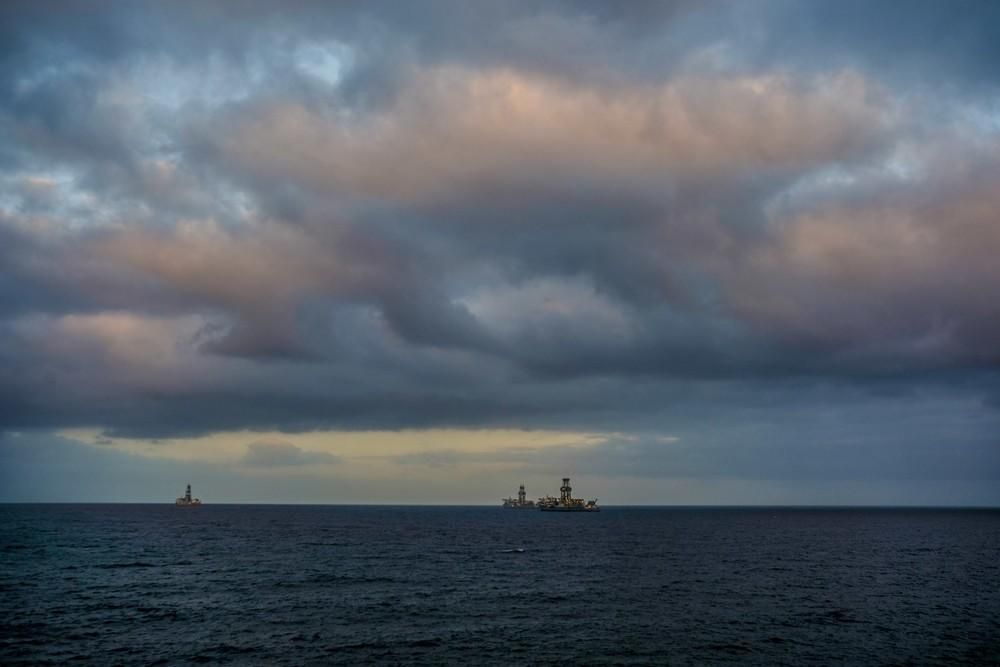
(286, 585)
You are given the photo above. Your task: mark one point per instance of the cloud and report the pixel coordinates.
(926, 44)
(278, 454)
(571, 216)
(455, 129)
(805, 444)
(905, 274)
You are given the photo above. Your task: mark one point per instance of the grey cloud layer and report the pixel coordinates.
(552, 214)
(276, 454)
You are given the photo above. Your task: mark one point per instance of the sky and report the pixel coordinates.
(713, 252)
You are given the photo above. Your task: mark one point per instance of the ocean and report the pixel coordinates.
(300, 585)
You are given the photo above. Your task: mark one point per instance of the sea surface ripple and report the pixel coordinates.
(292, 585)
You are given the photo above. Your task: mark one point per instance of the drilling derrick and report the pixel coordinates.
(522, 502)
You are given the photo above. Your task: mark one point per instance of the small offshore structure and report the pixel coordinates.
(186, 500)
(521, 503)
(564, 503)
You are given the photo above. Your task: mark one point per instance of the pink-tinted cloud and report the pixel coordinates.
(453, 128)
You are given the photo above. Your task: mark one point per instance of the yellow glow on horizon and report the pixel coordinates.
(361, 453)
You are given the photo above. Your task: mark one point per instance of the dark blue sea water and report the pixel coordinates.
(276, 585)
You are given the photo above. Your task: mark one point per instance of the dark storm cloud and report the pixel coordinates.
(382, 215)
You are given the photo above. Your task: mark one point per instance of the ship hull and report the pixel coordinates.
(570, 509)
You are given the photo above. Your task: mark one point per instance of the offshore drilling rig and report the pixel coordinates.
(564, 503)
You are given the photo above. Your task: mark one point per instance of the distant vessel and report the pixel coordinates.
(187, 500)
(566, 502)
(521, 503)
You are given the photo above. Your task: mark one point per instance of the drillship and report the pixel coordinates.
(566, 502)
(187, 500)
(520, 503)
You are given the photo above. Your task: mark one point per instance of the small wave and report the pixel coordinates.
(730, 648)
(835, 617)
(156, 613)
(359, 646)
(349, 579)
(426, 643)
(229, 649)
(513, 551)
(118, 566)
(22, 630)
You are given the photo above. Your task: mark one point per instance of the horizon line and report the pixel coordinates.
(483, 505)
